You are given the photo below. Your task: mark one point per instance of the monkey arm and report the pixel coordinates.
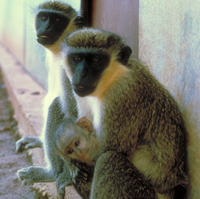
(26, 143)
(67, 99)
(55, 169)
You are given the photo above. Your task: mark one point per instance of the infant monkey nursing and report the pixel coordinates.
(76, 140)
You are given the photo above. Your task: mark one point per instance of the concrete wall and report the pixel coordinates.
(18, 35)
(169, 41)
(120, 17)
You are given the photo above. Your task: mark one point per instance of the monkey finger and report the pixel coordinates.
(28, 142)
(82, 176)
(24, 182)
(79, 176)
(30, 146)
(23, 175)
(19, 147)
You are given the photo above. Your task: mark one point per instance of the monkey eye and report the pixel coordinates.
(70, 151)
(95, 59)
(77, 59)
(44, 18)
(57, 20)
(77, 143)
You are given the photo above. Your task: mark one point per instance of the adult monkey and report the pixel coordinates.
(54, 21)
(133, 115)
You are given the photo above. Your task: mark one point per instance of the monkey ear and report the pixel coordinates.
(86, 124)
(79, 22)
(124, 55)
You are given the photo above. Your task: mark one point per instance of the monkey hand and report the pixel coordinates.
(78, 174)
(34, 174)
(62, 181)
(23, 175)
(28, 143)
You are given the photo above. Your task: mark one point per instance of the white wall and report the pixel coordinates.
(169, 41)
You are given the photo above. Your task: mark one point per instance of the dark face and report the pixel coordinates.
(87, 67)
(49, 26)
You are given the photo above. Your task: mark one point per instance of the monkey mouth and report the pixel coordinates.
(81, 87)
(83, 90)
(45, 40)
(44, 36)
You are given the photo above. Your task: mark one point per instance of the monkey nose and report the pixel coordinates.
(83, 154)
(84, 151)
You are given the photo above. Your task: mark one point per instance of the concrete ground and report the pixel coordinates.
(26, 96)
(10, 162)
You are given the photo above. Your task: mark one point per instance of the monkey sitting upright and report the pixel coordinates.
(136, 120)
(53, 21)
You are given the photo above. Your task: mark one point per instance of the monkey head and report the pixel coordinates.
(74, 140)
(53, 19)
(90, 54)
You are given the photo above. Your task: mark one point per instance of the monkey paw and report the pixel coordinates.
(78, 175)
(28, 143)
(24, 176)
(61, 182)
(36, 174)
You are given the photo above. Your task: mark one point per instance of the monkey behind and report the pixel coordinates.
(53, 21)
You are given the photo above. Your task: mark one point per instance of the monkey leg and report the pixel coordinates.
(83, 188)
(27, 142)
(116, 177)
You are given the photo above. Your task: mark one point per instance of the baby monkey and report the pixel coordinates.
(75, 140)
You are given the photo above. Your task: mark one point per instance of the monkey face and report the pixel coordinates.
(49, 26)
(78, 149)
(75, 140)
(91, 55)
(86, 68)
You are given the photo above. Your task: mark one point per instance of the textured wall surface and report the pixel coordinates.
(120, 17)
(169, 41)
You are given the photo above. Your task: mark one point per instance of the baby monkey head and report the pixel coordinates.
(73, 140)
(88, 53)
